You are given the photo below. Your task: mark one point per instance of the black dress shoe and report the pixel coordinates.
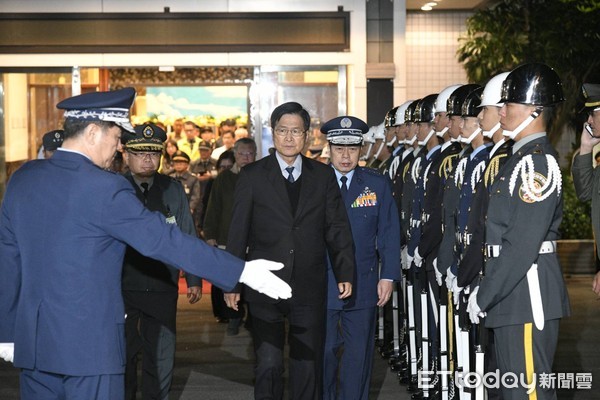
(222, 320)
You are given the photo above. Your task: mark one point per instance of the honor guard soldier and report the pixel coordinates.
(472, 263)
(585, 177)
(445, 252)
(373, 217)
(390, 141)
(381, 153)
(150, 287)
(365, 151)
(429, 142)
(523, 291)
(51, 141)
(394, 129)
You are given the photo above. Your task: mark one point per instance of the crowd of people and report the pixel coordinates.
(443, 219)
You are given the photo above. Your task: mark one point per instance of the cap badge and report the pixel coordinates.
(148, 132)
(57, 136)
(345, 123)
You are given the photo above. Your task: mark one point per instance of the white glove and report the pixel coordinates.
(404, 258)
(418, 260)
(409, 260)
(257, 274)
(473, 308)
(450, 278)
(438, 274)
(7, 351)
(452, 284)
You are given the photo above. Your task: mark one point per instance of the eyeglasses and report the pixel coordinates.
(283, 132)
(143, 156)
(246, 153)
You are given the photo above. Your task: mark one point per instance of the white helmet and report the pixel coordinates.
(380, 131)
(442, 98)
(493, 91)
(369, 137)
(400, 112)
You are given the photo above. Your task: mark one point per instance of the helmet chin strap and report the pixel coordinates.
(391, 142)
(379, 149)
(470, 138)
(411, 142)
(442, 132)
(512, 134)
(368, 152)
(424, 141)
(490, 133)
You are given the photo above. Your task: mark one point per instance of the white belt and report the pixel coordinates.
(547, 247)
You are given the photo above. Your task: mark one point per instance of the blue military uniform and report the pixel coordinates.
(64, 227)
(375, 227)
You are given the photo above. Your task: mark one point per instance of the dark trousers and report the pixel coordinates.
(350, 332)
(522, 350)
(38, 385)
(220, 309)
(150, 330)
(306, 333)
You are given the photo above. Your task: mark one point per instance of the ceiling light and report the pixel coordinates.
(430, 4)
(166, 69)
(426, 8)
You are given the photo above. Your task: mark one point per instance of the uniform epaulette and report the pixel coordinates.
(371, 171)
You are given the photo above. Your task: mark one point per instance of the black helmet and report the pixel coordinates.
(390, 118)
(409, 114)
(425, 110)
(470, 107)
(534, 84)
(457, 98)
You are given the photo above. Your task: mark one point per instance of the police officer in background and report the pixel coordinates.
(51, 141)
(585, 177)
(523, 292)
(373, 216)
(150, 287)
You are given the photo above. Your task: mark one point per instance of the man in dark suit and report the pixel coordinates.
(64, 226)
(150, 287)
(373, 215)
(288, 208)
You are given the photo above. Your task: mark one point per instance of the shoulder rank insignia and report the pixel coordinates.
(367, 198)
(535, 187)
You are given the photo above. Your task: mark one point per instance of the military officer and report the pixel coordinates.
(523, 291)
(585, 177)
(191, 184)
(150, 287)
(373, 217)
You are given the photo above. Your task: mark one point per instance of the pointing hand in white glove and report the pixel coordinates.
(7, 351)
(473, 308)
(257, 275)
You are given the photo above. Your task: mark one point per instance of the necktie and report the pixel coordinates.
(144, 186)
(344, 188)
(290, 177)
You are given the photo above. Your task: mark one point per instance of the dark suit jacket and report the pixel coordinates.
(262, 222)
(64, 227)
